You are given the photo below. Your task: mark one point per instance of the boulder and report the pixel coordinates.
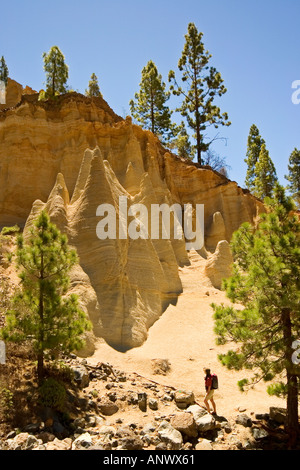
(184, 398)
(204, 444)
(244, 420)
(278, 414)
(170, 436)
(107, 407)
(204, 420)
(185, 424)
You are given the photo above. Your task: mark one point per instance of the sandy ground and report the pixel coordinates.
(184, 335)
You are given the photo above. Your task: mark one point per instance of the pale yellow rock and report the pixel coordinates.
(74, 154)
(219, 264)
(216, 232)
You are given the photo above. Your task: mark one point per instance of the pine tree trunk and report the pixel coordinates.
(40, 355)
(40, 367)
(197, 115)
(292, 420)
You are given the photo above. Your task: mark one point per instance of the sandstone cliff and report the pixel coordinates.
(74, 153)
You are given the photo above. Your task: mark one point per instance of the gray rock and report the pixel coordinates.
(81, 376)
(184, 398)
(170, 436)
(278, 414)
(185, 424)
(259, 433)
(83, 441)
(32, 427)
(244, 420)
(204, 444)
(153, 404)
(204, 420)
(108, 408)
(32, 442)
(131, 443)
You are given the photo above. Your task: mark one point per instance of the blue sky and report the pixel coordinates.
(254, 44)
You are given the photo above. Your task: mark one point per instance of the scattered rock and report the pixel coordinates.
(81, 376)
(204, 420)
(259, 433)
(204, 444)
(278, 414)
(184, 398)
(160, 366)
(244, 420)
(83, 441)
(185, 424)
(108, 408)
(57, 444)
(153, 404)
(170, 436)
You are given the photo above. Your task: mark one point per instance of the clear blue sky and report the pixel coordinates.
(254, 44)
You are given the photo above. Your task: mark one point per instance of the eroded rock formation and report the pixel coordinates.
(72, 154)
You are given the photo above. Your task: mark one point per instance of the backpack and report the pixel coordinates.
(214, 382)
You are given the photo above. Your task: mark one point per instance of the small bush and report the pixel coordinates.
(6, 401)
(52, 394)
(10, 230)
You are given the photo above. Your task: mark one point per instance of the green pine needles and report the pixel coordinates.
(200, 85)
(266, 282)
(293, 176)
(93, 88)
(42, 311)
(149, 107)
(57, 72)
(261, 174)
(3, 71)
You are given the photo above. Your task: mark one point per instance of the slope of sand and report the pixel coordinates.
(184, 336)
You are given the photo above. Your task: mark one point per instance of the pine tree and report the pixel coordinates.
(181, 143)
(3, 71)
(254, 145)
(266, 282)
(203, 85)
(93, 89)
(42, 312)
(149, 107)
(294, 175)
(265, 174)
(57, 72)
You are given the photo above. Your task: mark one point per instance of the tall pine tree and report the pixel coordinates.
(57, 72)
(43, 313)
(3, 71)
(294, 175)
(266, 282)
(203, 83)
(265, 174)
(254, 144)
(149, 107)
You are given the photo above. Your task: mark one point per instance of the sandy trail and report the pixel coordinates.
(184, 335)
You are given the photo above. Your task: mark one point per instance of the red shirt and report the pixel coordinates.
(208, 382)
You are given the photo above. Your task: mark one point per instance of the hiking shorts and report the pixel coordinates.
(210, 394)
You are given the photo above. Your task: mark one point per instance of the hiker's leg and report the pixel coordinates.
(214, 405)
(206, 404)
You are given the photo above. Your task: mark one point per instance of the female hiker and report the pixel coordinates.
(209, 391)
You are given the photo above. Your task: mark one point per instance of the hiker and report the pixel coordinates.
(209, 391)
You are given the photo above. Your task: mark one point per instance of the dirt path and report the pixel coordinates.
(184, 335)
